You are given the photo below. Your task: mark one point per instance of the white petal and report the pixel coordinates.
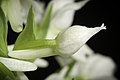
(99, 66)
(18, 65)
(21, 76)
(40, 62)
(62, 16)
(74, 38)
(31, 53)
(83, 53)
(12, 9)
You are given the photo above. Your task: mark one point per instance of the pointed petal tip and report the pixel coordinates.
(103, 26)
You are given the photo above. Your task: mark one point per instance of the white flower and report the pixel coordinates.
(96, 67)
(62, 15)
(72, 39)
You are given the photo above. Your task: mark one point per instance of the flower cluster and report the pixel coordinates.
(49, 33)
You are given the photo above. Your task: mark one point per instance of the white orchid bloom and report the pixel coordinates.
(95, 68)
(72, 39)
(62, 15)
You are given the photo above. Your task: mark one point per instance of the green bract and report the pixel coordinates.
(33, 36)
(27, 34)
(42, 29)
(3, 34)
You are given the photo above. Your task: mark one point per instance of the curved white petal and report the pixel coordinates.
(99, 66)
(62, 15)
(12, 9)
(71, 40)
(31, 53)
(83, 53)
(21, 76)
(18, 65)
(41, 62)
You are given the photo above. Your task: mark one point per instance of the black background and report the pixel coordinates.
(105, 42)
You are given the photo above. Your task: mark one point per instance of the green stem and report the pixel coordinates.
(37, 44)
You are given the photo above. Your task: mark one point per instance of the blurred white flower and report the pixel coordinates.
(72, 39)
(62, 15)
(96, 67)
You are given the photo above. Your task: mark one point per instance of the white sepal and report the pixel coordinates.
(18, 65)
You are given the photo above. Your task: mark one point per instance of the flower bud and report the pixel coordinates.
(72, 39)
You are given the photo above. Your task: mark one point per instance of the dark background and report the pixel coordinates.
(105, 42)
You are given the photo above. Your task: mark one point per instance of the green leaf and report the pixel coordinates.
(41, 31)
(3, 35)
(5, 73)
(27, 34)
